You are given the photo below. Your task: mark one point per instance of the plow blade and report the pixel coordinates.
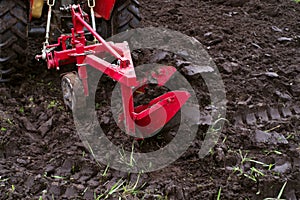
(152, 117)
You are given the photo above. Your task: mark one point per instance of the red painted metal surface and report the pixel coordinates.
(30, 13)
(104, 8)
(153, 116)
(148, 118)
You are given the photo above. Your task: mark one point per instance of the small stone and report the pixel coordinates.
(220, 156)
(105, 119)
(270, 138)
(283, 168)
(4, 92)
(28, 125)
(55, 189)
(284, 39)
(284, 96)
(50, 169)
(296, 109)
(83, 179)
(45, 127)
(159, 56)
(93, 183)
(205, 120)
(286, 112)
(194, 69)
(274, 113)
(262, 115)
(238, 120)
(79, 187)
(70, 192)
(272, 74)
(250, 119)
(227, 68)
(208, 34)
(261, 136)
(88, 195)
(276, 29)
(21, 161)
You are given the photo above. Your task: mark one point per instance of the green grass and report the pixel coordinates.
(105, 171)
(131, 162)
(13, 188)
(254, 173)
(121, 190)
(219, 194)
(279, 194)
(21, 110)
(52, 104)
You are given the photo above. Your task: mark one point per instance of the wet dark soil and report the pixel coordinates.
(256, 46)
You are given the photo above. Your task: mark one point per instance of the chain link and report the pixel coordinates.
(50, 4)
(91, 5)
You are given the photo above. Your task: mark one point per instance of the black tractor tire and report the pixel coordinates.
(125, 16)
(13, 37)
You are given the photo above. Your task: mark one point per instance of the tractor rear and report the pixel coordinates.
(24, 19)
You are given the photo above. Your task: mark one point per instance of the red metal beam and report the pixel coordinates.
(125, 76)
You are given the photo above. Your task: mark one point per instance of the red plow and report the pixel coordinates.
(147, 118)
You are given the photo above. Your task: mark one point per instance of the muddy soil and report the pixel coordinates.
(256, 46)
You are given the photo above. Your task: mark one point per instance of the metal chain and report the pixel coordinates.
(49, 19)
(50, 4)
(91, 4)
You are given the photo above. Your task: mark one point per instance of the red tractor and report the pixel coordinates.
(23, 19)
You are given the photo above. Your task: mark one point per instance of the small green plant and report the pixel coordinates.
(123, 158)
(254, 173)
(219, 194)
(3, 180)
(52, 104)
(274, 151)
(122, 190)
(290, 136)
(13, 188)
(272, 129)
(131, 189)
(112, 190)
(3, 129)
(58, 177)
(105, 171)
(98, 106)
(280, 193)
(9, 121)
(21, 110)
(92, 152)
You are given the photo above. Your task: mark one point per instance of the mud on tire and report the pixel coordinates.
(13, 36)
